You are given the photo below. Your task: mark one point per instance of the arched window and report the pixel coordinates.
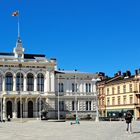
(40, 82)
(30, 82)
(9, 81)
(1, 82)
(19, 82)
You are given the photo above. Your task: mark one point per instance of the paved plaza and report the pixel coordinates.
(86, 130)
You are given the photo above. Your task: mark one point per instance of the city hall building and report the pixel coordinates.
(31, 84)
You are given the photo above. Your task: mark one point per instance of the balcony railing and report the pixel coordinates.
(22, 93)
(75, 93)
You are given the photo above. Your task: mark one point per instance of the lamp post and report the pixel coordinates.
(58, 117)
(20, 65)
(1, 102)
(40, 95)
(40, 107)
(77, 120)
(1, 109)
(96, 95)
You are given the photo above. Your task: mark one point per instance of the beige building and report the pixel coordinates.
(119, 94)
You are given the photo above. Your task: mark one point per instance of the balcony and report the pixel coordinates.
(12, 93)
(75, 93)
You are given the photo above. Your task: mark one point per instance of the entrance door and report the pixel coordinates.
(30, 109)
(9, 109)
(19, 109)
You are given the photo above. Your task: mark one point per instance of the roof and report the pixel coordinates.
(32, 56)
(71, 72)
(6, 54)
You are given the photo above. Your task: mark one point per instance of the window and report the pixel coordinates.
(88, 105)
(0, 83)
(88, 87)
(40, 82)
(103, 102)
(74, 87)
(118, 100)
(73, 105)
(124, 88)
(118, 89)
(19, 82)
(130, 87)
(9, 81)
(124, 99)
(113, 100)
(61, 105)
(108, 101)
(61, 87)
(102, 90)
(30, 82)
(131, 99)
(107, 91)
(113, 90)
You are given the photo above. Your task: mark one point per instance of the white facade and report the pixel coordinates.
(30, 84)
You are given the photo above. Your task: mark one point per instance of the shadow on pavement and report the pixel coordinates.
(136, 132)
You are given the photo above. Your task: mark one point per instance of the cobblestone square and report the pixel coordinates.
(86, 130)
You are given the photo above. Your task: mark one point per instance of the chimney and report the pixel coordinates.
(124, 74)
(119, 73)
(136, 72)
(101, 74)
(128, 73)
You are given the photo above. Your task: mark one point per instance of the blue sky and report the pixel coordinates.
(88, 35)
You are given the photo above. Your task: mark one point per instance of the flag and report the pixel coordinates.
(16, 13)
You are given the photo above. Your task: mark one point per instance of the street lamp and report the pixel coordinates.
(96, 95)
(40, 95)
(77, 120)
(58, 117)
(1, 100)
(20, 65)
(39, 89)
(1, 108)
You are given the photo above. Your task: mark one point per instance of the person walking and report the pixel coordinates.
(128, 119)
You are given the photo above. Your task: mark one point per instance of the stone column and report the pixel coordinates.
(15, 109)
(45, 84)
(47, 81)
(26, 108)
(25, 84)
(35, 83)
(4, 108)
(36, 105)
(14, 82)
(50, 82)
(3, 84)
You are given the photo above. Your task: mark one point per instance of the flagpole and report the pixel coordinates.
(18, 25)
